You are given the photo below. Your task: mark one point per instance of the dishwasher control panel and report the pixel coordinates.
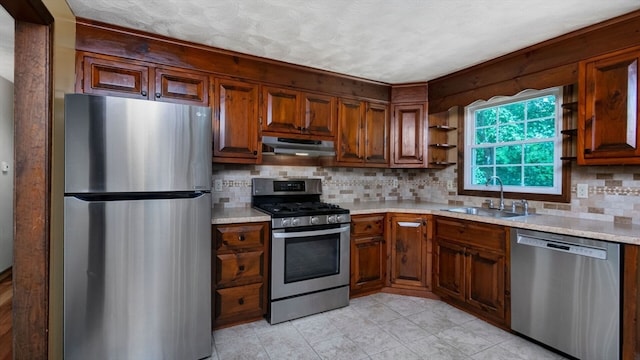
(593, 252)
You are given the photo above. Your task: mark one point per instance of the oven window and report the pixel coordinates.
(311, 257)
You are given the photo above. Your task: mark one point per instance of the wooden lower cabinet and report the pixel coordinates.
(410, 251)
(239, 272)
(471, 267)
(368, 254)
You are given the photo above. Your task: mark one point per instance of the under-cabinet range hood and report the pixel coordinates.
(299, 147)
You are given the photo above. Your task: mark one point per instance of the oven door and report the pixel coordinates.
(305, 260)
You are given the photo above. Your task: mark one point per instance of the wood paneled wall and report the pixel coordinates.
(550, 63)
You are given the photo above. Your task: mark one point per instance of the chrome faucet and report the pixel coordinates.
(501, 206)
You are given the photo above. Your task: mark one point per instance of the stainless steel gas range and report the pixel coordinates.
(309, 271)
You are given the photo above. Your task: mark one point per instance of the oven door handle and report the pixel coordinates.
(280, 234)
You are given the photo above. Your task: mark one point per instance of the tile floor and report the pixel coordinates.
(376, 327)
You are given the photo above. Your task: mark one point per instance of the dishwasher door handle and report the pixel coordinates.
(575, 249)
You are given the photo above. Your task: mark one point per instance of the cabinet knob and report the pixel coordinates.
(255, 152)
(143, 93)
(241, 301)
(158, 95)
(241, 267)
(241, 237)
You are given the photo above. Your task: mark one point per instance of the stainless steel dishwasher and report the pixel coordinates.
(565, 293)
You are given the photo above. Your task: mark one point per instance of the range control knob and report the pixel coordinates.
(331, 219)
(295, 222)
(341, 218)
(286, 222)
(314, 220)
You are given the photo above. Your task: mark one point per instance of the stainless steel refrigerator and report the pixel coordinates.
(137, 229)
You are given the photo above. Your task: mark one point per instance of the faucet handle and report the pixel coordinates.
(489, 203)
(525, 205)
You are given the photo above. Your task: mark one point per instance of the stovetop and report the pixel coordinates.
(293, 209)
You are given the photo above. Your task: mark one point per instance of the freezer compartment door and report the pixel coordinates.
(137, 279)
(129, 145)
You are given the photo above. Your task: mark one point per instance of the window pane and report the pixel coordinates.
(510, 175)
(541, 107)
(509, 154)
(481, 175)
(511, 113)
(538, 176)
(486, 117)
(483, 156)
(541, 129)
(511, 132)
(539, 153)
(486, 136)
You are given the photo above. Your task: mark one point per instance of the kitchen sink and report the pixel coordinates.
(485, 212)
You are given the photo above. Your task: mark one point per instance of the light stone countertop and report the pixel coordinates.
(601, 230)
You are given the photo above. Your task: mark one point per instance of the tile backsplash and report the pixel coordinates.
(614, 191)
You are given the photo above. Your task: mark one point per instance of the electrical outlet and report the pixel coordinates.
(582, 191)
(451, 186)
(395, 183)
(217, 185)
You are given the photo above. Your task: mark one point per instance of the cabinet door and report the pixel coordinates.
(448, 275)
(485, 286)
(235, 128)
(182, 87)
(408, 251)
(608, 131)
(376, 137)
(281, 111)
(319, 115)
(368, 259)
(350, 122)
(408, 126)
(115, 78)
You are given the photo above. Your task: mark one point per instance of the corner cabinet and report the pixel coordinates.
(235, 122)
(608, 116)
(363, 133)
(408, 125)
(368, 254)
(239, 275)
(470, 267)
(410, 252)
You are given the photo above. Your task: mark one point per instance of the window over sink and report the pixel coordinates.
(517, 138)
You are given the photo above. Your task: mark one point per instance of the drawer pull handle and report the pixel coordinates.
(241, 267)
(241, 301)
(241, 237)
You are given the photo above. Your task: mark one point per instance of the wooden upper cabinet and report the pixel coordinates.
(376, 138)
(112, 76)
(302, 114)
(408, 125)
(363, 133)
(183, 87)
(235, 124)
(107, 76)
(350, 122)
(281, 110)
(319, 115)
(608, 129)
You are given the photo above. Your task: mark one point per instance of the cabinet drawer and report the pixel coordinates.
(239, 300)
(470, 232)
(367, 225)
(239, 236)
(237, 268)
